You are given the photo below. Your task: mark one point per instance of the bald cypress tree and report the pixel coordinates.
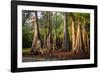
(73, 38)
(36, 43)
(66, 34)
(79, 41)
(85, 37)
(49, 32)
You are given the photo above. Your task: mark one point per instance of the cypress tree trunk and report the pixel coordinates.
(79, 42)
(85, 37)
(45, 33)
(49, 34)
(36, 44)
(66, 34)
(73, 33)
(55, 33)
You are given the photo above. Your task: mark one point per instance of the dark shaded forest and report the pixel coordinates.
(48, 35)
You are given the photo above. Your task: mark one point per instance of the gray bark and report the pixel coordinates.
(36, 44)
(66, 34)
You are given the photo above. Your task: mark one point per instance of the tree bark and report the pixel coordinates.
(79, 41)
(55, 33)
(85, 37)
(49, 38)
(45, 31)
(73, 32)
(66, 34)
(36, 44)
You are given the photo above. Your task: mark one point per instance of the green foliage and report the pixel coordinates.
(27, 37)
